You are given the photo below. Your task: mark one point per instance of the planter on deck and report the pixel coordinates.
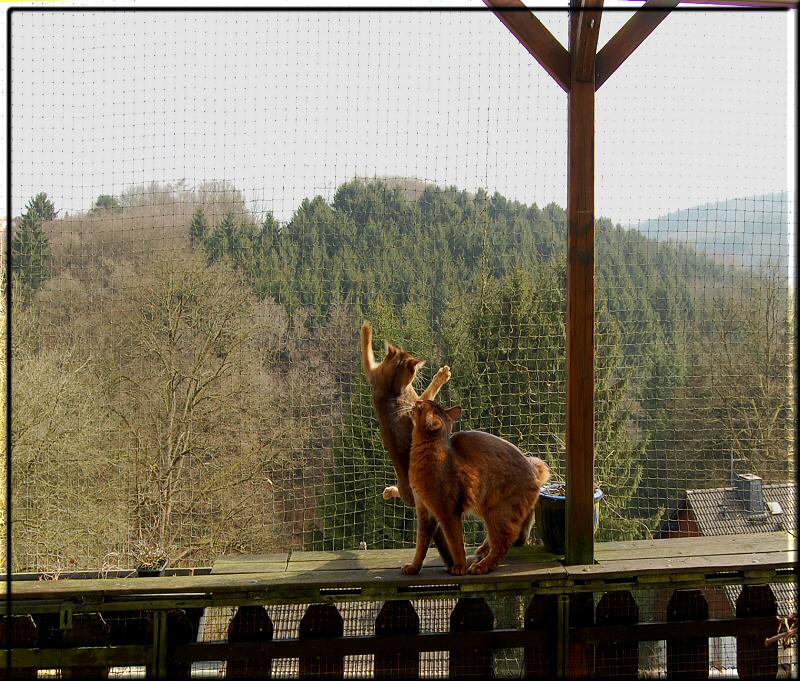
(152, 570)
(551, 515)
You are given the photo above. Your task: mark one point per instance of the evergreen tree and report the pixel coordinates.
(105, 202)
(198, 228)
(30, 248)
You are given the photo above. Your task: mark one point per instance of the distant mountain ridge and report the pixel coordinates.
(751, 231)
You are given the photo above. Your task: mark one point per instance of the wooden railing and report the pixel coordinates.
(569, 620)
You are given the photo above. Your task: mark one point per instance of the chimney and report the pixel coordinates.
(748, 489)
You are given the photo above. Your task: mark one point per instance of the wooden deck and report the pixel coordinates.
(311, 576)
(558, 633)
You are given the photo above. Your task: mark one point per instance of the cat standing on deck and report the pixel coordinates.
(470, 471)
(393, 397)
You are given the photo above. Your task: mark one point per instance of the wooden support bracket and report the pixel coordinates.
(535, 38)
(629, 37)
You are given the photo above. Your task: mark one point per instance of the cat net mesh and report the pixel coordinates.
(207, 204)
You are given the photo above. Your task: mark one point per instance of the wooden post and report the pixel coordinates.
(321, 620)
(540, 658)
(687, 658)
(580, 293)
(88, 629)
(18, 631)
(396, 617)
(471, 614)
(250, 623)
(580, 653)
(754, 660)
(180, 632)
(619, 659)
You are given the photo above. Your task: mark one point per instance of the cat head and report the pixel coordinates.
(399, 368)
(432, 419)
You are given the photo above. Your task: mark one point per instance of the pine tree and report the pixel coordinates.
(30, 248)
(198, 229)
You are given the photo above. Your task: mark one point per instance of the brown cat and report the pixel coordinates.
(470, 471)
(393, 397)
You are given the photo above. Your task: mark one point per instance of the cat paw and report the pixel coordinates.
(366, 330)
(410, 569)
(457, 570)
(472, 559)
(443, 375)
(480, 568)
(391, 492)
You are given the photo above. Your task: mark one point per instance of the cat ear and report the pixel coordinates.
(453, 413)
(415, 363)
(391, 350)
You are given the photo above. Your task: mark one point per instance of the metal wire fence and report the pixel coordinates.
(208, 204)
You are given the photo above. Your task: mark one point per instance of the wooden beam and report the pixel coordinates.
(535, 38)
(580, 313)
(587, 31)
(756, 4)
(629, 37)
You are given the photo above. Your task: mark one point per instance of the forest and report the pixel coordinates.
(186, 373)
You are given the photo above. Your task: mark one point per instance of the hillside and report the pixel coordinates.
(168, 292)
(752, 231)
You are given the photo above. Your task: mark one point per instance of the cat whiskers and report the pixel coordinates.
(402, 410)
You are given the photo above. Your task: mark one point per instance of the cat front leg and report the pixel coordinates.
(441, 377)
(426, 523)
(367, 355)
(453, 529)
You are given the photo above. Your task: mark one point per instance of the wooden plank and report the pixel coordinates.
(580, 318)
(360, 645)
(763, 4)
(661, 631)
(235, 563)
(629, 37)
(193, 591)
(587, 31)
(694, 546)
(54, 658)
(395, 558)
(534, 37)
(376, 562)
(675, 567)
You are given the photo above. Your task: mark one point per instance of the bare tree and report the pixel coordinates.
(200, 404)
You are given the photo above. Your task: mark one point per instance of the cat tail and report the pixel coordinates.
(541, 470)
(367, 355)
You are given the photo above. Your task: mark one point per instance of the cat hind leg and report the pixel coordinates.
(525, 531)
(499, 543)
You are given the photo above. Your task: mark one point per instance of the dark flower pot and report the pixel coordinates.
(551, 516)
(151, 570)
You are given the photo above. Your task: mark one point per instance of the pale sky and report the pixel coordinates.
(288, 105)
